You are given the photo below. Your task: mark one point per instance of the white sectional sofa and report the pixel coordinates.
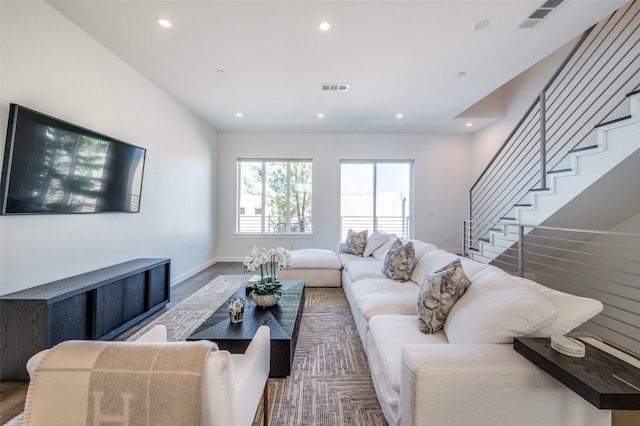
(467, 373)
(316, 267)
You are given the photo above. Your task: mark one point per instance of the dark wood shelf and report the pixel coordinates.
(600, 378)
(96, 305)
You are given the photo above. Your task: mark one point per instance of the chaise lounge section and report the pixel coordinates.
(316, 267)
(467, 373)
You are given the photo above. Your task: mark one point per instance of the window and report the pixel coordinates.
(376, 195)
(279, 194)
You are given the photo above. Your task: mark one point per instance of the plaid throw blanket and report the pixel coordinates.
(130, 384)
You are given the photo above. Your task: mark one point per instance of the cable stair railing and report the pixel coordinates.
(612, 150)
(602, 265)
(592, 91)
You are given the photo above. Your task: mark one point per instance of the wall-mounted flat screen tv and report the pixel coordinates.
(54, 167)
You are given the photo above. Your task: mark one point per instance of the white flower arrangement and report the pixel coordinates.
(272, 260)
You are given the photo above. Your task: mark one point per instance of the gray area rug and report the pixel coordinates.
(330, 381)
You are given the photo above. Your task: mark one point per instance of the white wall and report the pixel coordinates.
(518, 95)
(631, 225)
(50, 65)
(442, 179)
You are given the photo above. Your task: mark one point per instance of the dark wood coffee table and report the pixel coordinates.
(283, 320)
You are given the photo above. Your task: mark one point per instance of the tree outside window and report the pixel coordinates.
(279, 194)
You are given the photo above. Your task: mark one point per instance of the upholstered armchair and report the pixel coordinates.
(231, 385)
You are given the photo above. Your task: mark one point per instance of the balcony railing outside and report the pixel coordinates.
(273, 224)
(398, 225)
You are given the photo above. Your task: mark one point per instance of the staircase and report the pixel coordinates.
(617, 141)
(578, 131)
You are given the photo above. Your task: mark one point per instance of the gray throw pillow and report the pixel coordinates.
(355, 242)
(399, 261)
(438, 293)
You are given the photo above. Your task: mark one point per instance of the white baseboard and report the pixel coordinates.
(231, 259)
(192, 272)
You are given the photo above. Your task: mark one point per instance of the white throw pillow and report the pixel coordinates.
(471, 267)
(375, 240)
(573, 310)
(431, 262)
(421, 248)
(381, 252)
(495, 309)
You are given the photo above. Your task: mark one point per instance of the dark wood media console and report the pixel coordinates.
(96, 305)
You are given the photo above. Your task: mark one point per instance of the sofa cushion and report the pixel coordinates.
(347, 259)
(313, 277)
(495, 309)
(471, 267)
(375, 241)
(384, 296)
(398, 263)
(421, 248)
(439, 292)
(436, 259)
(367, 269)
(355, 242)
(387, 335)
(572, 310)
(314, 259)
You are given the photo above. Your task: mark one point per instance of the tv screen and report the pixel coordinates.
(53, 167)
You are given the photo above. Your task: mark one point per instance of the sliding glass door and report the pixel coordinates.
(376, 195)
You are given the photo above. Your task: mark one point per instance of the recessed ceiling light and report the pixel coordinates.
(399, 116)
(320, 115)
(325, 26)
(462, 74)
(480, 25)
(220, 71)
(469, 124)
(164, 22)
(239, 114)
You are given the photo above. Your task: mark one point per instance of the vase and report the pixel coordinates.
(266, 300)
(236, 310)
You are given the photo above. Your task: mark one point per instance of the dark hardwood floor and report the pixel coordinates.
(13, 394)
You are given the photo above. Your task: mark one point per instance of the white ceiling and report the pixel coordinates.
(397, 56)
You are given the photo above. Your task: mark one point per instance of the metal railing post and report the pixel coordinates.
(464, 238)
(520, 251)
(543, 140)
(470, 216)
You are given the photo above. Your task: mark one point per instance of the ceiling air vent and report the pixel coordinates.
(540, 13)
(335, 87)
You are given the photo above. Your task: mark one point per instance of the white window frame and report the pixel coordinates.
(264, 228)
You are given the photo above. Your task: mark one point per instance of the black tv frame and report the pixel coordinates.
(5, 178)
